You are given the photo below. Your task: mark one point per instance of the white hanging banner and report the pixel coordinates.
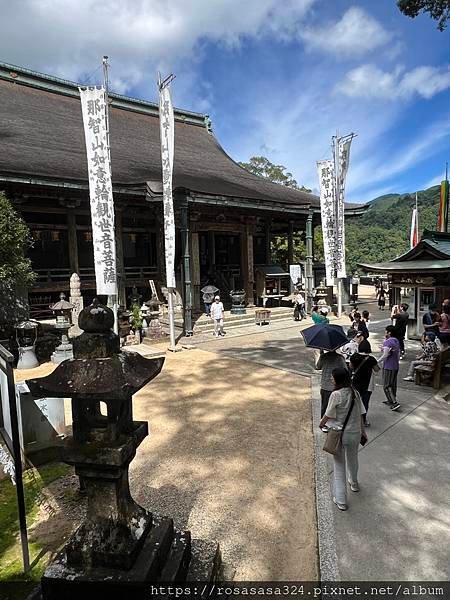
(327, 208)
(344, 158)
(167, 125)
(93, 106)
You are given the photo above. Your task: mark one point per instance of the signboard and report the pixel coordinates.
(295, 272)
(94, 109)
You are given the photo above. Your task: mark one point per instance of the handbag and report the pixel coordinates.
(333, 442)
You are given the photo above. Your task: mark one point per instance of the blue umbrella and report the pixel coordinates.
(324, 336)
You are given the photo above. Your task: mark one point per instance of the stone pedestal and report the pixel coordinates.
(120, 547)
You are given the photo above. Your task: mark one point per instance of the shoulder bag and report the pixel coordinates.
(334, 436)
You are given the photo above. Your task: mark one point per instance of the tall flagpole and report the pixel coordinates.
(447, 203)
(337, 192)
(112, 299)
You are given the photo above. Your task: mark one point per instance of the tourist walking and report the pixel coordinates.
(391, 362)
(217, 314)
(328, 361)
(401, 323)
(345, 410)
(359, 325)
(299, 308)
(381, 295)
(426, 357)
(364, 366)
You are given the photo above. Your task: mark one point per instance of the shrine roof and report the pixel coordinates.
(432, 253)
(42, 140)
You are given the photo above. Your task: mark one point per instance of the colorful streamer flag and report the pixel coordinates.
(414, 234)
(442, 223)
(167, 125)
(94, 109)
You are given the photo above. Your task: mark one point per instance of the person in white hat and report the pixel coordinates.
(217, 316)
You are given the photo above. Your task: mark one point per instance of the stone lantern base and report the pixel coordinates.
(167, 556)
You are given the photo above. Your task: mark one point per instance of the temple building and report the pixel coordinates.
(225, 216)
(419, 277)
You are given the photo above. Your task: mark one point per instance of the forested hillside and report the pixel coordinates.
(382, 233)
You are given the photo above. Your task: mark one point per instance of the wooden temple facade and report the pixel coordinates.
(225, 216)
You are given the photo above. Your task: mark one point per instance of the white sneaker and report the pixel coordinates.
(354, 486)
(339, 505)
(408, 378)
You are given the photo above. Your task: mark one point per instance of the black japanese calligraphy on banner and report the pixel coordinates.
(327, 207)
(166, 123)
(93, 106)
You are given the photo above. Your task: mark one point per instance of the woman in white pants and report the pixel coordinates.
(345, 408)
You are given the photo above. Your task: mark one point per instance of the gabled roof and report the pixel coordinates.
(41, 137)
(432, 253)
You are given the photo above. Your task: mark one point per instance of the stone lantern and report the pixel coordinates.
(155, 330)
(63, 311)
(321, 294)
(120, 547)
(26, 336)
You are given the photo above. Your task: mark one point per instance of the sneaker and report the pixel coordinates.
(408, 378)
(386, 402)
(325, 429)
(395, 406)
(339, 505)
(354, 486)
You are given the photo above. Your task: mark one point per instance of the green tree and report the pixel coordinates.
(438, 9)
(15, 268)
(15, 240)
(261, 166)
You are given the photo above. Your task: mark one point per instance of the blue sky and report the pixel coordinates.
(278, 77)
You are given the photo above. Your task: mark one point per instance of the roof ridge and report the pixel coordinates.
(50, 83)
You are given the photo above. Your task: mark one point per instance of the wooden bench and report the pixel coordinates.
(432, 373)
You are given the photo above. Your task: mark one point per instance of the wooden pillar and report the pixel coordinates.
(211, 252)
(290, 244)
(248, 276)
(121, 277)
(195, 255)
(187, 278)
(72, 240)
(268, 244)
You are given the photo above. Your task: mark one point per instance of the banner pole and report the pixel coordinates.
(112, 299)
(170, 294)
(336, 215)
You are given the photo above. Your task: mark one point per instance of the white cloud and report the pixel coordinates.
(140, 36)
(368, 81)
(354, 35)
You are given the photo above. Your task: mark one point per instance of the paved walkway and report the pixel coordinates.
(398, 526)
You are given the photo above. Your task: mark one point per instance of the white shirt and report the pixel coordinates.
(300, 299)
(217, 310)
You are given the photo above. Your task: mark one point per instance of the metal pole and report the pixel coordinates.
(170, 294)
(7, 362)
(187, 288)
(112, 299)
(309, 260)
(336, 212)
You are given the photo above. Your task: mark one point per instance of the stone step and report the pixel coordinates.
(242, 321)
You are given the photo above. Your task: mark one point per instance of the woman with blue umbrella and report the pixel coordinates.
(327, 338)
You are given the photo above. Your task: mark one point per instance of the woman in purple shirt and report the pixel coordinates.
(391, 361)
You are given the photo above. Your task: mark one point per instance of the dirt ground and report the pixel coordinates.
(230, 457)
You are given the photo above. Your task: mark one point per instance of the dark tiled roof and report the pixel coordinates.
(41, 136)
